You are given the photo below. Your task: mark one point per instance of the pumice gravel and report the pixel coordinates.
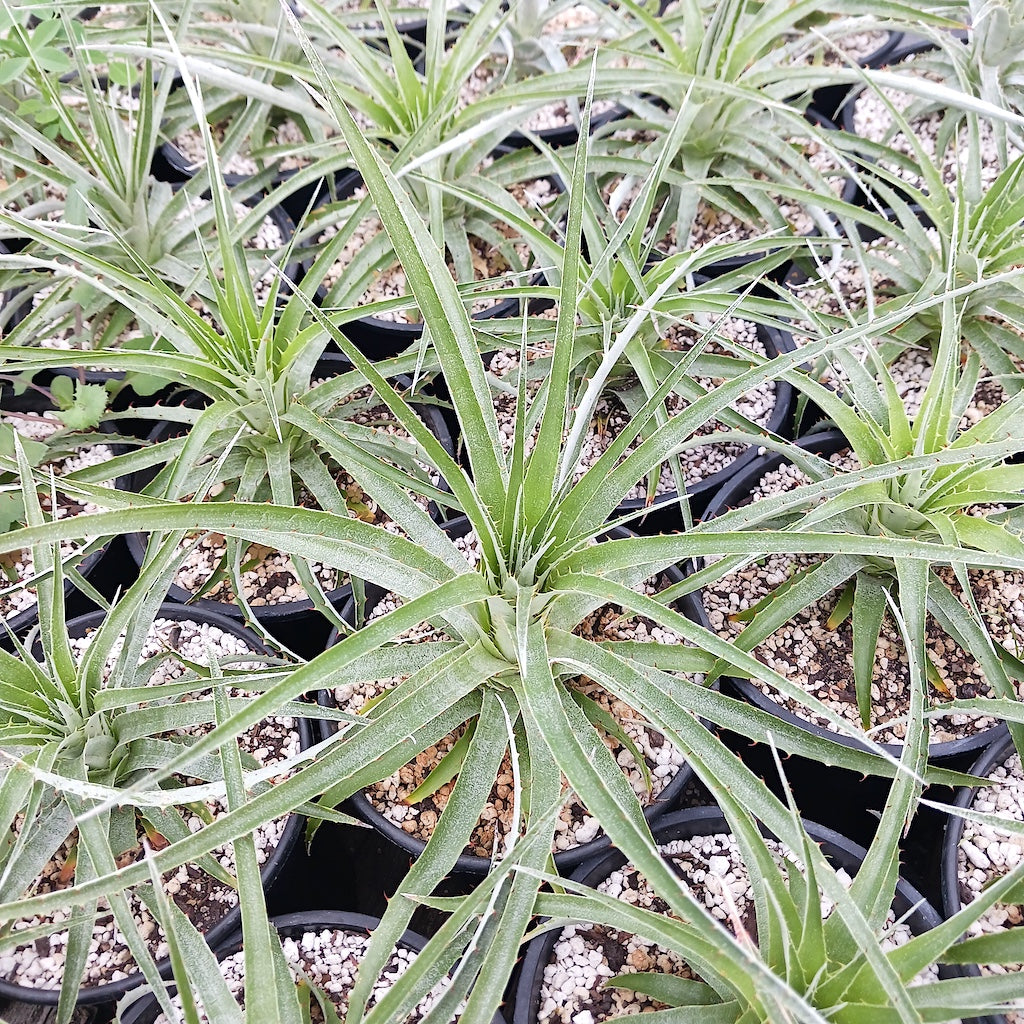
(986, 853)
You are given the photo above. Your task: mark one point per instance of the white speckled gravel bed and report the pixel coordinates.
(697, 464)
(820, 660)
(575, 825)
(488, 263)
(329, 959)
(18, 566)
(204, 899)
(584, 957)
(986, 853)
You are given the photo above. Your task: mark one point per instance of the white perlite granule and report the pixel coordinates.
(204, 899)
(329, 959)
(585, 957)
(987, 852)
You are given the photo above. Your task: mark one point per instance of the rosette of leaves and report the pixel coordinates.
(511, 620)
(627, 273)
(922, 477)
(920, 233)
(439, 146)
(251, 71)
(249, 359)
(732, 75)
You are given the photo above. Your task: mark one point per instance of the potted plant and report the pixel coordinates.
(74, 712)
(103, 198)
(680, 336)
(239, 580)
(254, 102)
(946, 95)
(539, 578)
(630, 954)
(405, 807)
(746, 160)
(249, 365)
(831, 623)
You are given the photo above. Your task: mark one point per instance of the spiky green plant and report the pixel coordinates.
(72, 724)
(920, 497)
(832, 966)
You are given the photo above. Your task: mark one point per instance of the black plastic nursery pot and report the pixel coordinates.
(687, 824)
(146, 1010)
(362, 807)
(31, 401)
(993, 756)
(664, 513)
(735, 493)
(272, 868)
